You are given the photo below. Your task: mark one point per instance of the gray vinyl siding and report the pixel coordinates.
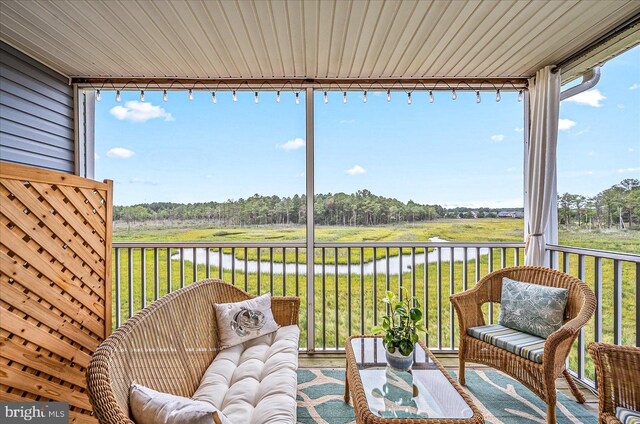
(36, 113)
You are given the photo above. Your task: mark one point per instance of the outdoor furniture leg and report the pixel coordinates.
(461, 378)
(346, 387)
(551, 414)
(572, 386)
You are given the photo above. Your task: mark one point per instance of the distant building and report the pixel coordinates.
(507, 214)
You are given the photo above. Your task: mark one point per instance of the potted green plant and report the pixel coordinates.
(400, 327)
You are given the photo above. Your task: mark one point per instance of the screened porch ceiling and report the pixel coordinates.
(328, 39)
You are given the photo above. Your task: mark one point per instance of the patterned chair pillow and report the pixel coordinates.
(532, 308)
(627, 416)
(246, 320)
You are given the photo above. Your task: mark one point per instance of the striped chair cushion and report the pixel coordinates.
(522, 344)
(628, 416)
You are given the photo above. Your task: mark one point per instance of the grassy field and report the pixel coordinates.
(340, 301)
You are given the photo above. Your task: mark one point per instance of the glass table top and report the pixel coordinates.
(423, 392)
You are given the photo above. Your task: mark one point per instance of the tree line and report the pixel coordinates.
(360, 208)
(616, 207)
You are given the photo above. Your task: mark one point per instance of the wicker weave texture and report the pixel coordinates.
(539, 378)
(618, 375)
(354, 386)
(55, 279)
(167, 346)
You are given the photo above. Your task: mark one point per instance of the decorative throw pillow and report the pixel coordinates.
(151, 407)
(627, 416)
(532, 308)
(246, 320)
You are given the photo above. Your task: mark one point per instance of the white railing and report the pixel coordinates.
(615, 279)
(350, 279)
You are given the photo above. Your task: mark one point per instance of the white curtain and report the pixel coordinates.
(540, 162)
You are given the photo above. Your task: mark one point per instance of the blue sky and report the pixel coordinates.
(449, 152)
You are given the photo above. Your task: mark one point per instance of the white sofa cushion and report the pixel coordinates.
(152, 407)
(255, 382)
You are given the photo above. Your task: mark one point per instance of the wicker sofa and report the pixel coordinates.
(539, 377)
(170, 345)
(618, 375)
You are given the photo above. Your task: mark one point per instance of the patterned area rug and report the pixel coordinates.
(500, 399)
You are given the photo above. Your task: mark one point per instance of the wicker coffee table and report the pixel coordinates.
(426, 394)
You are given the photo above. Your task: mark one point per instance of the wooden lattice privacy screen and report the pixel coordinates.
(55, 284)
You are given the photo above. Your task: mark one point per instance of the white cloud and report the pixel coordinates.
(565, 124)
(294, 144)
(120, 153)
(357, 169)
(136, 111)
(634, 86)
(584, 131)
(624, 170)
(590, 98)
(520, 129)
(141, 181)
(497, 137)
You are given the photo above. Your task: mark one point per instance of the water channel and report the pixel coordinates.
(394, 262)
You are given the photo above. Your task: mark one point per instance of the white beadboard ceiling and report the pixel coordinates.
(265, 39)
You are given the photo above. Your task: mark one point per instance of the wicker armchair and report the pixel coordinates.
(618, 375)
(167, 346)
(539, 378)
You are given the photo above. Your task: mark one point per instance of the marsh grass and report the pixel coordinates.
(351, 304)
